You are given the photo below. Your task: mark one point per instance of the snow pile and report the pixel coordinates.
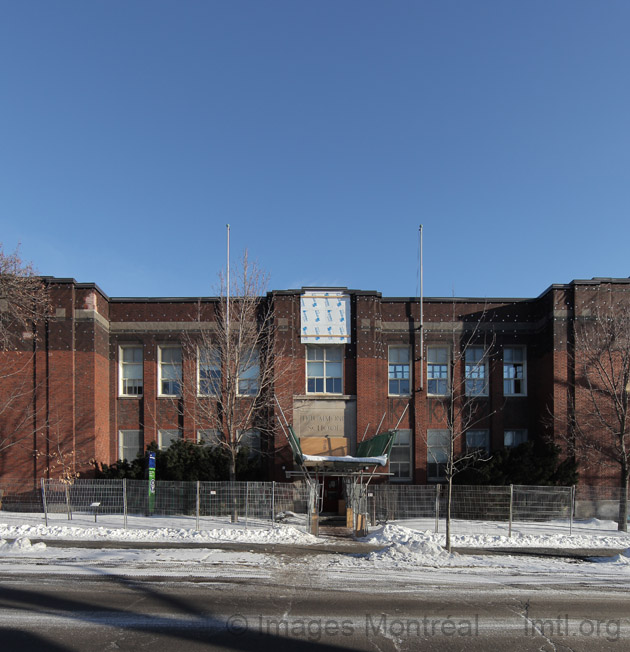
(622, 559)
(281, 534)
(23, 544)
(541, 540)
(404, 546)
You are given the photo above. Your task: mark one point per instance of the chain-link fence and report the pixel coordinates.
(474, 509)
(18, 496)
(202, 504)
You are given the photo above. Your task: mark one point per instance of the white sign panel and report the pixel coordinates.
(325, 317)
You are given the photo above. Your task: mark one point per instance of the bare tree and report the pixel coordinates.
(63, 459)
(230, 396)
(600, 427)
(24, 299)
(24, 303)
(460, 392)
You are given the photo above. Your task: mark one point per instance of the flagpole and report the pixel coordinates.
(227, 292)
(421, 316)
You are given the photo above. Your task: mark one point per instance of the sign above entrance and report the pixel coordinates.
(325, 317)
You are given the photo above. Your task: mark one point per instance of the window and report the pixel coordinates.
(513, 438)
(250, 439)
(130, 379)
(248, 374)
(514, 376)
(400, 456)
(476, 371)
(130, 444)
(477, 440)
(324, 369)
(438, 446)
(208, 372)
(209, 437)
(437, 370)
(167, 437)
(170, 370)
(398, 371)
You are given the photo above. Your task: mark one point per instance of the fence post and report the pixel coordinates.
(125, 503)
(437, 508)
(198, 496)
(571, 508)
(68, 503)
(246, 502)
(511, 510)
(44, 501)
(273, 503)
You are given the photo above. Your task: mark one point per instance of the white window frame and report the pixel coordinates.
(437, 453)
(476, 371)
(161, 349)
(515, 437)
(443, 369)
(326, 363)
(122, 434)
(473, 438)
(398, 371)
(123, 364)
(403, 450)
(214, 363)
(248, 382)
(173, 434)
(511, 378)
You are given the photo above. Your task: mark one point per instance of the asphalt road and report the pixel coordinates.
(75, 613)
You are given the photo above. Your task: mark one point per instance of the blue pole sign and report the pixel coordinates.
(151, 482)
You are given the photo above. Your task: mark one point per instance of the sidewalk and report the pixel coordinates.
(328, 546)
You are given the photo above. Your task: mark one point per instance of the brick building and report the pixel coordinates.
(99, 380)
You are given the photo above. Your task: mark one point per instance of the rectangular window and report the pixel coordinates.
(399, 366)
(250, 439)
(476, 371)
(209, 437)
(400, 457)
(324, 369)
(130, 444)
(514, 371)
(167, 437)
(438, 447)
(478, 440)
(208, 372)
(131, 376)
(437, 370)
(249, 374)
(170, 370)
(513, 438)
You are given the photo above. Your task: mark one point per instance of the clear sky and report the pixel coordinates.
(325, 132)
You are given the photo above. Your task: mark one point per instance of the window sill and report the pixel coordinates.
(130, 396)
(345, 397)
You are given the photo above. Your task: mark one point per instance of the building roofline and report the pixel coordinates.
(598, 280)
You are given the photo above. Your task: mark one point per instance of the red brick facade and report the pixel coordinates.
(62, 403)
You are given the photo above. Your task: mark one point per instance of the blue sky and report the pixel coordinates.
(325, 133)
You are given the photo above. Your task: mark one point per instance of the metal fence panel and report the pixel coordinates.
(474, 509)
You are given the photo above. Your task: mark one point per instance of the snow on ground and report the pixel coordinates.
(153, 529)
(411, 546)
(593, 533)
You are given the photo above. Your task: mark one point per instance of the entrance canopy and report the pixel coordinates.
(370, 453)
